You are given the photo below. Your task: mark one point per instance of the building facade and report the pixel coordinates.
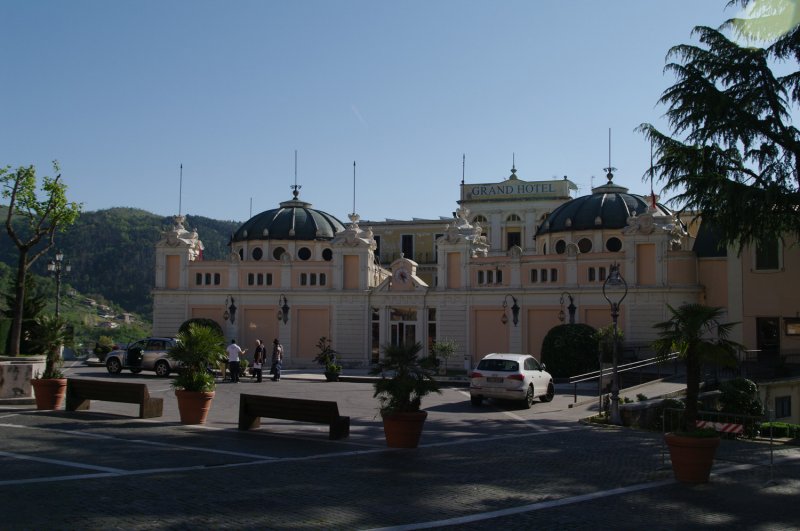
(495, 276)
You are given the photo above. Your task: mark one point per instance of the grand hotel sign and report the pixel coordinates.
(515, 189)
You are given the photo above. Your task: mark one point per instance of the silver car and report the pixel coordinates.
(510, 377)
(151, 354)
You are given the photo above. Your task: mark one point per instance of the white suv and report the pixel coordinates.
(510, 377)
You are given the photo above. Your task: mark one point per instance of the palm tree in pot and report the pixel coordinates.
(405, 380)
(50, 334)
(696, 335)
(327, 358)
(197, 350)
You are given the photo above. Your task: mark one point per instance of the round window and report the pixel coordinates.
(327, 255)
(304, 253)
(585, 245)
(614, 245)
(258, 254)
(561, 247)
(278, 252)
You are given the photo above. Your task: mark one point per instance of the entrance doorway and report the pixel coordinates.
(768, 339)
(403, 326)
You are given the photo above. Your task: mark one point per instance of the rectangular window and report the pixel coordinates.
(768, 255)
(269, 279)
(407, 246)
(489, 277)
(260, 279)
(208, 279)
(198, 279)
(602, 276)
(378, 247)
(480, 277)
(512, 239)
(313, 279)
(303, 279)
(323, 278)
(217, 279)
(544, 275)
(554, 275)
(499, 278)
(591, 274)
(534, 275)
(251, 279)
(783, 407)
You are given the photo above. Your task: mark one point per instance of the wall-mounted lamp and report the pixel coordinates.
(514, 310)
(230, 310)
(571, 308)
(283, 309)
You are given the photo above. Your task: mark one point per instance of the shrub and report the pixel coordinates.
(570, 349)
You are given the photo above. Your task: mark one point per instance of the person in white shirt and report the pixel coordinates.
(234, 351)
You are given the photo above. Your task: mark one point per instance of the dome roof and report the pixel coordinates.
(608, 207)
(294, 220)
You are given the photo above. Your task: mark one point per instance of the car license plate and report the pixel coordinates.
(494, 379)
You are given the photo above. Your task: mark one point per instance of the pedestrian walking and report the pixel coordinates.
(277, 359)
(234, 351)
(259, 359)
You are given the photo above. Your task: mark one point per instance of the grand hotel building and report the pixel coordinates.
(495, 276)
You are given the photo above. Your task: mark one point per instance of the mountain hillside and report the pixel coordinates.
(112, 252)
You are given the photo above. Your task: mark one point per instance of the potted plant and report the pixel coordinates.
(197, 349)
(444, 349)
(405, 380)
(327, 358)
(695, 334)
(50, 334)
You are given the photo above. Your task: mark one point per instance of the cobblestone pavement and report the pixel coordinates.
(486, 468)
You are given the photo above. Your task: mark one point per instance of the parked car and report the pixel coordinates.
(150, 354)
(510, 377)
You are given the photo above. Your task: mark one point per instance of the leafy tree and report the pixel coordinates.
(201, 321)
(198, 348)
(41, 219)
(732, 147)
(696, 335)
(410, 379)
(32, 307)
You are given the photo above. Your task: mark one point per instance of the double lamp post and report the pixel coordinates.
(58, 267)
(614, 290)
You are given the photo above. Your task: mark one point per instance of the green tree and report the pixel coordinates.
(696, 335)
(732, 146)
(32, 307)
(570, 349)
(41, 219)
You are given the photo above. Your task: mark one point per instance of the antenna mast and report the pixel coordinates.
(180, 190)
(354, 187)
(610, 169)
(295, 187)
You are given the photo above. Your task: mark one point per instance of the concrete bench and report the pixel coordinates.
(81, 392)
(253, 407)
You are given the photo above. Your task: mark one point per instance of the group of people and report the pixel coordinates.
(259, 360)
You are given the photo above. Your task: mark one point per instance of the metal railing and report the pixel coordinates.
(625, 367)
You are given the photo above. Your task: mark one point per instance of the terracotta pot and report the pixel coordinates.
(49, 393)
(193, 406)
(691, 457)
(403, 430)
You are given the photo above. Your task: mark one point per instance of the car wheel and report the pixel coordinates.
(551, 392)
(476, 400)
(162, 368)
(136, 370)
(529, 397)
(113, 366)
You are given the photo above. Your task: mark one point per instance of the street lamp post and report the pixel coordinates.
(614, 290)
(58, 267)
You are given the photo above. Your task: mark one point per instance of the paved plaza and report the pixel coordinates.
(493, 467)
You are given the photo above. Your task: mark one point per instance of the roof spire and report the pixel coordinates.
(513, 166)
(609, 171)
(295, 187)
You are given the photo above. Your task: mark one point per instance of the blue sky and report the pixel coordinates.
(122, 93)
